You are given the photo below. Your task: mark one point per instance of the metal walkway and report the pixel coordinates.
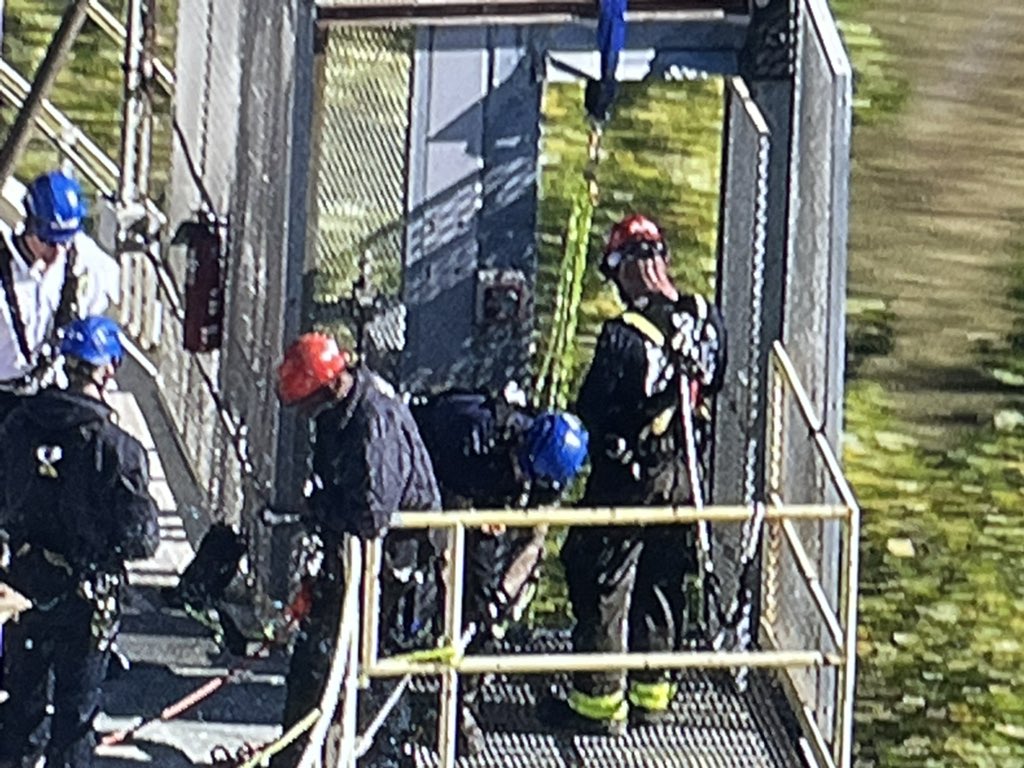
(714, 725)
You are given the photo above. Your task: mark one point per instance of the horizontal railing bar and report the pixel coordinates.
(517, 11)
(542, 663)
(516, 518)
(19, 88)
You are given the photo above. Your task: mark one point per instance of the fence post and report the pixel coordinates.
(449, 715)
(57, 53)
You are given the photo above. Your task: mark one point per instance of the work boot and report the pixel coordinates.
(650, 703)
(558, 714)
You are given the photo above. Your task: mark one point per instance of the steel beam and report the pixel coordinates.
(437, 12)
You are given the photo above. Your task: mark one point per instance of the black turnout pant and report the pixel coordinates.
(54, 638)
(627, 592)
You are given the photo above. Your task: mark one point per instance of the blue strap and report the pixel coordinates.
(611, 36)
(611, 39)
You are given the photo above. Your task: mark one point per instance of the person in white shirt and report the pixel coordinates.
(50, 273)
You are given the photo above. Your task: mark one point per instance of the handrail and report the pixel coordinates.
(535, 663)
(783, 365)
(529, 518)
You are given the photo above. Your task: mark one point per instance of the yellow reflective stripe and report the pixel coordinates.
(611, 706)
(645, 326)
(659, 424)
(654, 697)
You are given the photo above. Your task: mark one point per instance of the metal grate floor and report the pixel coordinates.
(715, 726)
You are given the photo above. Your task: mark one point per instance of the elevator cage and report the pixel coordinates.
(378, 167)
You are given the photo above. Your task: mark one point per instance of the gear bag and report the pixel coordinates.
(213, 568)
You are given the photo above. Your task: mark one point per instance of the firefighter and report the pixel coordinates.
(50, 273)
(491, 453)
(368, 463)
(76, 506)
(631, 402)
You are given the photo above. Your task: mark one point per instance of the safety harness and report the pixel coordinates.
(67, 309)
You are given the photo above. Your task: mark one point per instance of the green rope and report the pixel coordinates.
(555, 375)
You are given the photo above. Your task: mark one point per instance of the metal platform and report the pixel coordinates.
(715, 726)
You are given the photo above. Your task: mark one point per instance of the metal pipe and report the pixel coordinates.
(435, 12)
(529, 518)
(131, 114)
(546, 663)
(447, 721)
(56, 54)
(810, 576)
(350, 725)
(852, 589)
(371, 604)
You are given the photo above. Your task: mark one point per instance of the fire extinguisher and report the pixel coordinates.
(206, 243)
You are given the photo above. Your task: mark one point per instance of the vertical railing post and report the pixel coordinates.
(851, 592)
(447, 721)
(371, 607)
(774, 477)
(349, 704)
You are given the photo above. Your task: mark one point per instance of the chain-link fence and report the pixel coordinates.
(244, 150)
(813, 333)
(363, 122)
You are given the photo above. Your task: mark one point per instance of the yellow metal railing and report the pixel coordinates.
(840, 624)
(362, 661)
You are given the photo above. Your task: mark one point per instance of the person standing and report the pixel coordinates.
(75, 504)
(50, 274)
(664, 354)
(368, 463)
(491, 453)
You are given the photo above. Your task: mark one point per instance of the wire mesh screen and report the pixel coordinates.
(234, 61)
(206, 66)
(360, 190)
(813, 329)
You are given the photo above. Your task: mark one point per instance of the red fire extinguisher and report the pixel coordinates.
(206, 242)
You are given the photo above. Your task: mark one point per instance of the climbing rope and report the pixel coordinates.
(734, 620)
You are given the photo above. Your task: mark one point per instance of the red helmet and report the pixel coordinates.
(635, 236)
(311, 363)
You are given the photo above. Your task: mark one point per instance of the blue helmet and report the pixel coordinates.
(54, 208)
(554, 448)
(94, 340)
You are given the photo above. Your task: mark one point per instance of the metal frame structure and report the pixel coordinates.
(358, 651)
(435, 12)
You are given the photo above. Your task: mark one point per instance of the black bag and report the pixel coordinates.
(212, 570)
